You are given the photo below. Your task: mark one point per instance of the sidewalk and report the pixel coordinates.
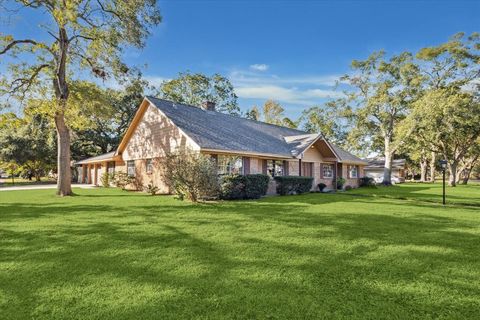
(44, 186)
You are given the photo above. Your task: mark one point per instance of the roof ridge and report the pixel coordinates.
(227, 114)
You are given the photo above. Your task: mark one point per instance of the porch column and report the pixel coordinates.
(84, 173)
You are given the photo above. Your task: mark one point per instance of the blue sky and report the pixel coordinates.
(291, 51)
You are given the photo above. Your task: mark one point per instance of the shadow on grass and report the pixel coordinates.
(282, 257)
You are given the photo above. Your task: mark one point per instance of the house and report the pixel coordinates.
(238, 145)
(376, 166)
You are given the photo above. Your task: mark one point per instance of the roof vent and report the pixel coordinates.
(208, 105)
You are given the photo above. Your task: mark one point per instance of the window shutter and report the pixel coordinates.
(285, 168)
(312, 170)
(321, 170)
(264, 166)
(246, 165)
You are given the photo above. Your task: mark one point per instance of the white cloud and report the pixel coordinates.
(305, 90)
(259, 67)
(289, 95)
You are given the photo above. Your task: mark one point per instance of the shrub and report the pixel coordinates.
(321, 186)
(367, 182)
(348, 188)
(122, 179)
(190, 175)
(340, 183)
(256, 185)
(250, 186)
(151, 188)
(293, 184)
(105, 179)
(232, 187)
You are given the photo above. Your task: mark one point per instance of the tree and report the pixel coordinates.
(381, 97)
(29, 143)
(327, 121)
(110, 119)
(190, 174)
(273, 112)
(449, 119)
(82, 34)
(196, 88)
(253, 114)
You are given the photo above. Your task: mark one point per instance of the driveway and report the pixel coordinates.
(44, 186)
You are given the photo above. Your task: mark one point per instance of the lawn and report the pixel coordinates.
(108, 254)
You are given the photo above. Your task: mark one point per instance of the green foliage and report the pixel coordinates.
(340, 183)
(253, 114)
(321, 186)
(251, 186)
(256, 185)
(196, 88)
(366, 182)
(29, 142)
(293, 184)
(151, 188)
(105, 180)
(122, 179)
(190, 175)
(232, 187)
(348, 188)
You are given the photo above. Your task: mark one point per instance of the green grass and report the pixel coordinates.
(108, 254)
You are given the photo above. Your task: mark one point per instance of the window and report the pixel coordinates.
(131, 168)
(327, 171)
(275, 168)
(229, 165)
(353, 171)
(149, 165)
(111, 167)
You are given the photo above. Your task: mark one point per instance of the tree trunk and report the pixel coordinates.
(64, 179)
(452, 169)
(387, 172)
(432, 167)
(466, 175)
(423, 170)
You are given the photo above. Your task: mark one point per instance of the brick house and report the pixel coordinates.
(238, 145)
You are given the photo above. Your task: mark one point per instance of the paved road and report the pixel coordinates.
(44, 186)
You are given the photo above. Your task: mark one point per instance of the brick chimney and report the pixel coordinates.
(208, 105)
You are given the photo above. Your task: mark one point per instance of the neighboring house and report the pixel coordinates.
(238, 145)
(376, 166)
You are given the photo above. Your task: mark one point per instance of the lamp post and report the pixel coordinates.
(443, 164)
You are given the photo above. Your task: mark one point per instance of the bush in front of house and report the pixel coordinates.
(256, 185)
(190, 175)
(348, 188)
(293, 184)
(151, 188)
(340, 183)
(105, 180)
(367, 182)
(232, 187)
(321, 186)
(121, 179)
(250, 186)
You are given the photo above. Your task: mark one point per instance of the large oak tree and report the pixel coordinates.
(75, 35)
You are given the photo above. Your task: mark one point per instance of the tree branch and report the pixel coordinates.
(17, 42)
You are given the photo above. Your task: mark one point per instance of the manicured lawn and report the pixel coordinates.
(108, 254)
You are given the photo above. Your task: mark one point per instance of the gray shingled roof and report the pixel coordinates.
(219, 131)
(346, 156)
(379, 163)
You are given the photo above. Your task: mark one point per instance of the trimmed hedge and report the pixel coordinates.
(293, 184)
(250, 186)
(367, 182)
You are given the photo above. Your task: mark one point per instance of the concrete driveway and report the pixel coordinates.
(44, 186)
